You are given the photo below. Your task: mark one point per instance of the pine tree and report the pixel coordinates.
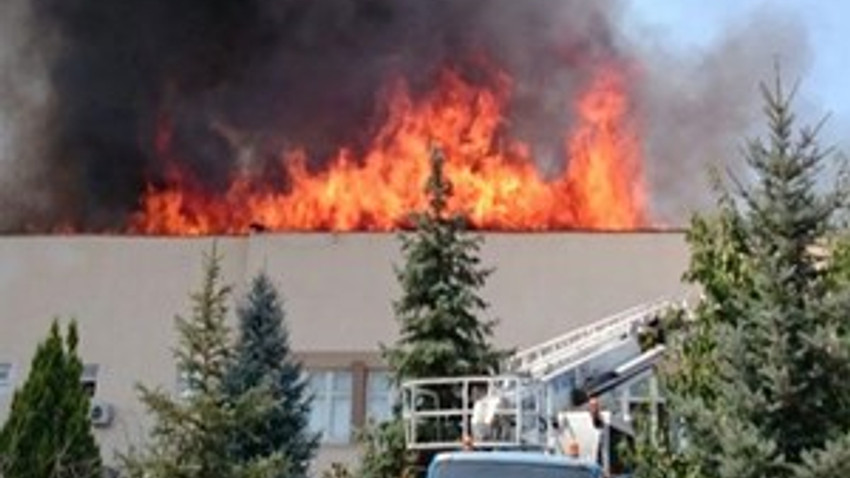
(759, 379)
(48, 431)
(191, 435)
(263, 356)
(719, 253)
(385, 453)
(442, 333)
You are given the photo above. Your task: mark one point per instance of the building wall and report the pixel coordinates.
(338, 289)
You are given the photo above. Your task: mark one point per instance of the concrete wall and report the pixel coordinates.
(125, 291)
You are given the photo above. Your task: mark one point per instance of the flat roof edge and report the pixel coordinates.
(570, 232)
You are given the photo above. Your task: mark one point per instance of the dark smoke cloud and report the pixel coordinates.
(273, 73)
(113, 66)
(242, 79)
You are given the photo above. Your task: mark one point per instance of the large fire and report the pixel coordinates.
(495, 180)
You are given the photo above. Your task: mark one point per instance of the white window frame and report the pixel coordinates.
(651, 398)
(89, 375)
(184, 391)
(390, 394)
(324, 400)
(90, 372)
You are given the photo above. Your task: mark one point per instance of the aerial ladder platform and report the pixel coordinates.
(535, 403)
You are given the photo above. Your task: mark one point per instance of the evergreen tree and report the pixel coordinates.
(191, 435)
(759, 378)
(48, 431)
(385, 453)
(263, 356)
(719, 253)
(442, 333)
(837, 250)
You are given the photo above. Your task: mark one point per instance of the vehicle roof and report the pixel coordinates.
(523, 457)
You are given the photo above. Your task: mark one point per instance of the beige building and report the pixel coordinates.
(338, 289)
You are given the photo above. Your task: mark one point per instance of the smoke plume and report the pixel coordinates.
(24, 106)
(700, 106)
(92, 81)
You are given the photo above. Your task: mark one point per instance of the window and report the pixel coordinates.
(331, 412)
(89, 378)
(640, 389)
(642, 397)
(185, 387)
(5, 377)
(183, 390)
(380, 395)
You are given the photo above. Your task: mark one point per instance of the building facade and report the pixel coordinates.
(338, 290)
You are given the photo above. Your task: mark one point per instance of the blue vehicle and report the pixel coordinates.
(509, 464)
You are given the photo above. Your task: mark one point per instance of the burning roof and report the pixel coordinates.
(495, 179)
(214, 116)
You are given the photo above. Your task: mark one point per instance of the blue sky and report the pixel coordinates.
(696, 23)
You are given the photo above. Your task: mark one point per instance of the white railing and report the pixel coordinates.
(439, 413)
(578, 344)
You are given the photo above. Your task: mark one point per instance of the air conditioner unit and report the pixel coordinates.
(100, 413)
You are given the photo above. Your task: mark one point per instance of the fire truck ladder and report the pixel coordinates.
(566, 352)
(518, 401)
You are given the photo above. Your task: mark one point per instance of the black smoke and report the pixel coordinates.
(270, 73)
(89, 82)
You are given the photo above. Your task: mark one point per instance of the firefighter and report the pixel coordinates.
(572, 449)
(595, 412)
(467, 443)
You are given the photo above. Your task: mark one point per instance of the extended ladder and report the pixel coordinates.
(570, 350)
(517, 406)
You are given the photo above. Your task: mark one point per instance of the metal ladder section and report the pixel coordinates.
(549, 358)
(438, 412)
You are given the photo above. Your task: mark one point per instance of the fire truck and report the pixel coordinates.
(557, 409)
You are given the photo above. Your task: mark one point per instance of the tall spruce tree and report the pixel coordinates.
(48, 431)
(191, 435)
(442, 332)
(264, 357)
(759, 378)
(689, 372)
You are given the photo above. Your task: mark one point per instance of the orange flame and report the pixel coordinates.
(495, 181)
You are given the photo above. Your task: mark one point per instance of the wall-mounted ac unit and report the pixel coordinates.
(100, 413)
